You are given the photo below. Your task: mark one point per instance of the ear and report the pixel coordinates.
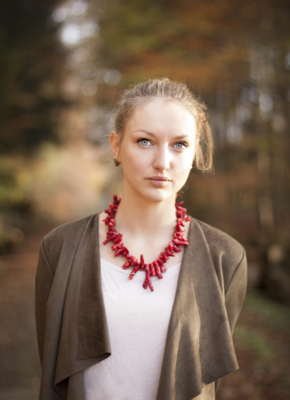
(115, 145)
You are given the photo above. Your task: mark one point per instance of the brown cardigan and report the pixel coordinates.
(71, 320)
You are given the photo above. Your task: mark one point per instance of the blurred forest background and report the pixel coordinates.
(62, 68)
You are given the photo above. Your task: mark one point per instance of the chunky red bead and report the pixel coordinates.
(126, 265)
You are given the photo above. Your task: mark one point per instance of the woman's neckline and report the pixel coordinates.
(100, 221)
(173, 268)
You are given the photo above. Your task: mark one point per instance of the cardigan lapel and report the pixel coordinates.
(92, 326)
(199, 348)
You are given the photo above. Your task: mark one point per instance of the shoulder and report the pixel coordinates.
(227, 253)
(220, 241)
(69, 229)
(65, 236)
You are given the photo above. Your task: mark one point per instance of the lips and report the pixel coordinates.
(159, 178)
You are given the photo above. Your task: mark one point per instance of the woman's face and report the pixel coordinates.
(157, 149)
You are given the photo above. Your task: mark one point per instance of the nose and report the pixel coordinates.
(162, 158)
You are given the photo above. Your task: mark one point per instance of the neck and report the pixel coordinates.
(137, 215)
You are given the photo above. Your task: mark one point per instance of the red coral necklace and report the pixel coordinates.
(157, 267)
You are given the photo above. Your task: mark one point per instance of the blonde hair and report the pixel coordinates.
(178, 92)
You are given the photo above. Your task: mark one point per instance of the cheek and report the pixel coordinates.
(134, 161)
(186, 162)
(184, 168)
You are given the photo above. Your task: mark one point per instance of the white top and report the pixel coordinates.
(138, 322)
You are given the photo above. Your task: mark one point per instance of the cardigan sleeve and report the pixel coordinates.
(44, 279)
(236, 291)
(234, 296)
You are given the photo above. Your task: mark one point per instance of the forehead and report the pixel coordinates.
(159, 115)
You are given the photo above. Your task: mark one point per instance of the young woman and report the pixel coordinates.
(166, 332)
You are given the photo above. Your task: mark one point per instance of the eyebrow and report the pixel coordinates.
(153, 134)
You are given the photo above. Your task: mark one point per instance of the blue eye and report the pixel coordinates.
(180, 145)
(144, 142)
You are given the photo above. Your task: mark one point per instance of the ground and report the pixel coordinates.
(262, 338)
(262, 342)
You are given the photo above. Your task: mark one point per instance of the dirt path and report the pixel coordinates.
(262, 338)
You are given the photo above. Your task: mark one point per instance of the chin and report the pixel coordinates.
(158, 195)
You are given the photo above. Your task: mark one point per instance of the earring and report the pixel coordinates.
(116, 162)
